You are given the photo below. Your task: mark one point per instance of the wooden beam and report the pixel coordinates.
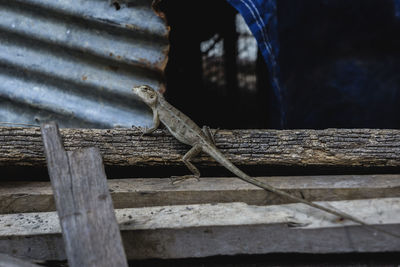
(84, 204)
(122, 147)
(18, 197)
(219, 229)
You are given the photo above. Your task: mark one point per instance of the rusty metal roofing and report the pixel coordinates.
(75, 61)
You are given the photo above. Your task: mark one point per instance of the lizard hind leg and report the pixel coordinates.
(193, 152)
(210, 135)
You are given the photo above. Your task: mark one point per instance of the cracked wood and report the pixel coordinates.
(122, 147)
(84, 206)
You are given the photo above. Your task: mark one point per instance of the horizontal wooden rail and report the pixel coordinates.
(219, 229)
(122, 147)
(18, 197)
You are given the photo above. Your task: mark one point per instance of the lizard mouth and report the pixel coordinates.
(135, 89)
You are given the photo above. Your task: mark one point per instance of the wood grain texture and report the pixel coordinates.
(220, 229)
(84, 204)
(9, 261)
(122, 147)
(18, 197)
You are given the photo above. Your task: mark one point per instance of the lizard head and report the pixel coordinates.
(147, 94)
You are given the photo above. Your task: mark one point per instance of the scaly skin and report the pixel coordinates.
(187, 132)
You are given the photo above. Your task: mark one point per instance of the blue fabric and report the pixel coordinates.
(396, 4)
(260, 16)
(333, 63)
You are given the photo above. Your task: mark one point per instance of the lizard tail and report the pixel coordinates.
(220, 158)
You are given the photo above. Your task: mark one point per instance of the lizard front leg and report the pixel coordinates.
(193, 152)
(156, 123)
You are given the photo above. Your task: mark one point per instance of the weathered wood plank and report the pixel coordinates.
(18, 197)
(83, 202)
(220, 229)
(9, 261)
(122, 147)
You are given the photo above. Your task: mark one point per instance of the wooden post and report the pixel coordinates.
(90, 230)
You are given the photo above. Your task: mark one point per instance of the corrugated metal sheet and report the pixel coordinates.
(75, 61)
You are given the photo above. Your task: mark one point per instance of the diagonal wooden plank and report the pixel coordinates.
(90, 230)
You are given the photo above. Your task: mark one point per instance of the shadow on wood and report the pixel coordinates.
(9, 261)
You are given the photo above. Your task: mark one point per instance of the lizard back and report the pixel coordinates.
(180, 125)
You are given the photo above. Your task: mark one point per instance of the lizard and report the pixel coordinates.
(202, 140)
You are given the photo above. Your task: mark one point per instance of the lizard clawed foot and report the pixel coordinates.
(179, 179)
(143, 133)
